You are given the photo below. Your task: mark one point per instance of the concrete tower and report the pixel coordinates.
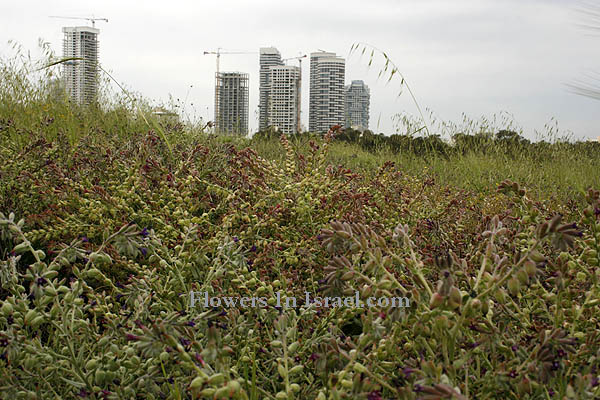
(326, 97)
(231, 103)
(81, 76)
(269, 56)
(284, 98)
(357, 106)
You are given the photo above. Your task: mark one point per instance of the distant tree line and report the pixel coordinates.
(504, 142)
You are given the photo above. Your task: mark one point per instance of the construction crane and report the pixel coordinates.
(88, 19)
(299, 58)
(217, 76)
(219, 52)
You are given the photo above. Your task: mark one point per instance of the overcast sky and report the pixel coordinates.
(475, 57)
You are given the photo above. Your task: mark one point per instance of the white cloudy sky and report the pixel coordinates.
(475, 57)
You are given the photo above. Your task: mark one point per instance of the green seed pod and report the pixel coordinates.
(296, 370)
(234, 386)
(455, 297)
(347, 276)
(197, 382)
(222, 392)
(514, 286)
(282, 372)
(91, 364)
(21, 247)
(436, 300)
(36, 321)
(281, 396)
(216, 379)
(208, 392)
(31, 314)
(537, 256)
(7, 308)
(293, 347)
(530, 268)
(99, 377)
(485, 306)
(522, 276)
(358, 367)
(164, 356)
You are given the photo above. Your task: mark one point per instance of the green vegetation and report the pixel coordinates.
(104, 232)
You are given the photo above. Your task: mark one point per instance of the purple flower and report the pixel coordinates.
(184, 341)
(555, 366)
(235, 239)
(250, 262)
(144, 251)
(84, 239)
(313, 357)
(418, 388)
(253, 248)
(595, 381)
(144, 233)
(514, 347)
(40, 281)
(561, 353)
(190, 323)
(132, 337)
(512, 374)
(551, 392)
(83, 393)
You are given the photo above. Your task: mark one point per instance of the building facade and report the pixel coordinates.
(284, 98)
(326, 96)
(81, 76)
(231, 103)
(357, 106)
(269, 57)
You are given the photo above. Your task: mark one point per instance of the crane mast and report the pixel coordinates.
(299, 86)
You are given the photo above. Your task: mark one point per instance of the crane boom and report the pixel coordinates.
(85, 18)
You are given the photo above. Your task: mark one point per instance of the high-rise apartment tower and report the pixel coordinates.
(326, 97)
(231, 103)
(284, 98)
(269, 56)
(81, 76)
(357, 106)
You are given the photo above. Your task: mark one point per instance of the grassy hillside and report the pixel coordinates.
(109, 220)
